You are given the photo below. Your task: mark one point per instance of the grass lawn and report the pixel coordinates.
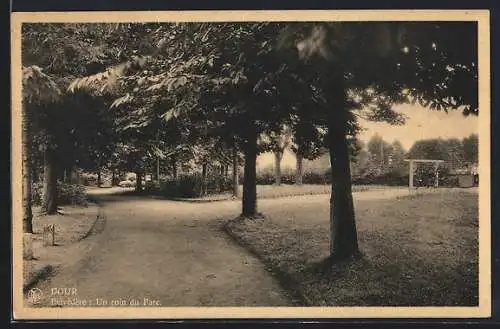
(419, 250)
(263, 191)
(272, 191)
(70, 228)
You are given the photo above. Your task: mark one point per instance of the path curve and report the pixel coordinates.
(176, 254)
(170, 253)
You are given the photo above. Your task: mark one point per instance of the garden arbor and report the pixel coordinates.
(413, 166)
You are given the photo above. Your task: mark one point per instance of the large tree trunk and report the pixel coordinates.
(49, 204)
(203, 179)
(138, 181)
(158, 169)
(26, 172)
(299, 169)
(99, 178)
(35, 175)
(278, 155)
(67, 174)
(113, 178)
(235, 172)
(174, 167)
(344, 241)
(249, 202)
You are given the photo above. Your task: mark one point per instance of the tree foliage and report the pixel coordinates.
(187, 88)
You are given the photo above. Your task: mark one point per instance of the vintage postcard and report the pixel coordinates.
(251, 164)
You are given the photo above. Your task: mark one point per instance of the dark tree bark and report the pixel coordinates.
(299, 169)
(278, 155)
(99, 178)
(249, 202)
(67, 174)
(62, 175)
(138, 181)
(174, 167)
(235, 172)
(203, 179)
(35, 175)
(113, 178)
(27, 174)
(49, 204)
(344, 241)
(157, 169)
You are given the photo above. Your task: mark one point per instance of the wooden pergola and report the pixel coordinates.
(413, 163)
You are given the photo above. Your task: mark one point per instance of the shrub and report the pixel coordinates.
(88, 179)
(37, 193)
(448, 181)
(288, 176)
(72, 194)
(265, 178)
(317, 178)
(190, 186)
(391, 178)
(150, 186)
(127, 183)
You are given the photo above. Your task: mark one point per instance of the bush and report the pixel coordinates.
(152, 186)
(265, 178)
(317, 178)
(391, 178)
(448, 181)
(190, 186)
(71, 194)
(67, 194)
(37, 193)
(127, 183)
(88, 179)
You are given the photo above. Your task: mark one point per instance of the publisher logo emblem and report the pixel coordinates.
(35, 295)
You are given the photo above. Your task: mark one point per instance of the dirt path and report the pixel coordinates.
(175, 254)
(170, 253)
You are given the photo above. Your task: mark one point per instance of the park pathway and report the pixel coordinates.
(175, 254)
(170, 253)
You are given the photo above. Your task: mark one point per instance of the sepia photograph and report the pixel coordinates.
(313, 164)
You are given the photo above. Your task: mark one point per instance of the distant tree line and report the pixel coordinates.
(383, 162)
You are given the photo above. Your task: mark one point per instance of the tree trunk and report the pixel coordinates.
(174, 167)
(249, 202)
(203, 179)
(35, 176)
(49, 205)
(235, 172)
(69, 172)
(299, 170)
(344, 241)
(277, 167)
(113, 177)
(138, 181)
(99, 178)
(62, 173)
(157, 169)
(26, 172)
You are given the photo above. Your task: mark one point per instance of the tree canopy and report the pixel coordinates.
(172, 89)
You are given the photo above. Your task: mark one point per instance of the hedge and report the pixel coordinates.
(67, 194)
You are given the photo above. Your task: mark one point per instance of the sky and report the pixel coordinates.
(421, 123)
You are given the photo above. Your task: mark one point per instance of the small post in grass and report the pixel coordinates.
(49, 235)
